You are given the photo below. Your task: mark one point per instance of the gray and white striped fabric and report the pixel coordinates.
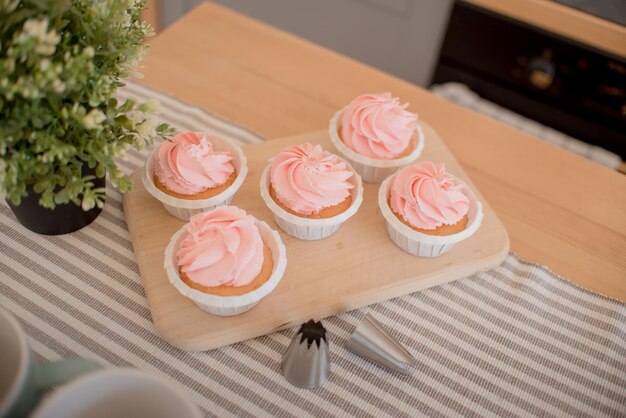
(513, 341)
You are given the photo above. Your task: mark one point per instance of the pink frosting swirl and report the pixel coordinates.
(427, 197)
(308, 179)
(188, 165)
(377, 126)
(221, 247)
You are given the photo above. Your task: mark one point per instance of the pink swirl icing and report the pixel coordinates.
(377, 126)
(308, 179)
(188, 165)
(221, 247)
(427, 197)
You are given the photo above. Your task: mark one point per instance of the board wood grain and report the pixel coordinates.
(357, 266)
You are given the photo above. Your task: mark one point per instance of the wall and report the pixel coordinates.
(401, 37)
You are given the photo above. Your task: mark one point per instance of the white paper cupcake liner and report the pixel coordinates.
(371, 169)
(186, 208)
(228, 305)
(305, 228)
(424, 245)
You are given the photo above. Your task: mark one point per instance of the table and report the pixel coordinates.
(559, 209)
(512, 341)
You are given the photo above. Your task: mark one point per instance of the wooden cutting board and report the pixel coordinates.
(357, 266)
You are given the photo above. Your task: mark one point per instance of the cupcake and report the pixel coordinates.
(377, 135)
(225, 260)
(193, 173)
(428, 210)
(310, 192)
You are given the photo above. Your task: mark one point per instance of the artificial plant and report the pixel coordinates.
(61, 62)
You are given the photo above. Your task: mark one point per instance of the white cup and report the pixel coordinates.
(22, 383)
(118, 393)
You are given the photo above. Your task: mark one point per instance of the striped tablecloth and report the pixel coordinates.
(514, 341)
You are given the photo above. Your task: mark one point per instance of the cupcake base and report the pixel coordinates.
(374, 170)
(184, 208)
(328, 212)
(407, 151)
(440, 231)
(206, 194)
(229, 305)
(264, 274)
(305, 228)
(418, 243)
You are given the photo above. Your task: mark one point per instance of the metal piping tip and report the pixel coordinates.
(372, 341)
(306, 363)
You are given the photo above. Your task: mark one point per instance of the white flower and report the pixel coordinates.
(48, 44)
(151, 106)
(28, 91)
(8, 5)
(38, 29)
(89, 51)
(93, 119)
(147, 128)
(126, 20)
(135, 117)
(58, 86)
(34, 28)
(44, 64)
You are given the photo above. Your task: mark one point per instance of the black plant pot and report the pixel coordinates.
(63, 219)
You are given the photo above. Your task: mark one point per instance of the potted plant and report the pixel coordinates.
(61, 126)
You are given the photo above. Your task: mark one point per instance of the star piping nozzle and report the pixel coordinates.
(306, 363)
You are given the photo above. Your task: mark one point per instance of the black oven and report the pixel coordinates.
(558, 82)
